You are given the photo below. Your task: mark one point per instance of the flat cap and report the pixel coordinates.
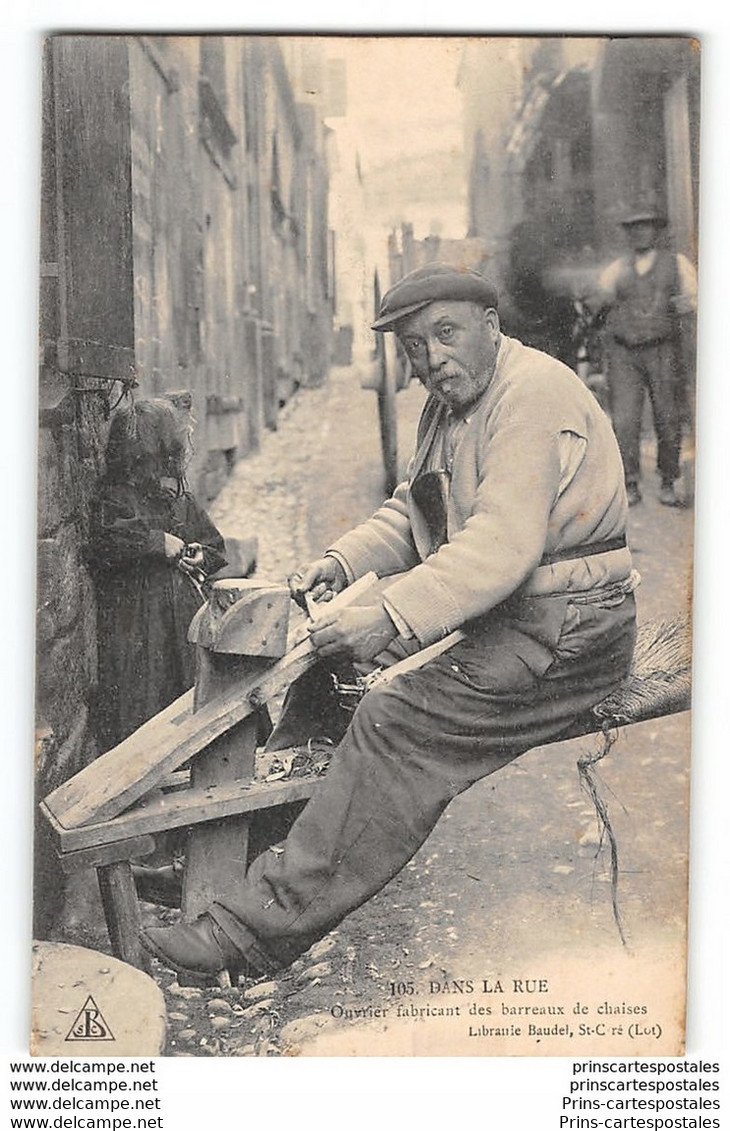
(436, 282)
(646, 208)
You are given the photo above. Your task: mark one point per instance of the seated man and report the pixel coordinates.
(511, 526)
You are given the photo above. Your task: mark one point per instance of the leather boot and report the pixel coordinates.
(198, 952)
(633, 494)
(668, 496)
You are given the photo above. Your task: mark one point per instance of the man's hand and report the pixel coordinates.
(192, 560)
(174, 547)
(322, 579)
(361, 632)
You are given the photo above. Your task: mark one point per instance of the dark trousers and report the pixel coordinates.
(631, 371)
(518, 681)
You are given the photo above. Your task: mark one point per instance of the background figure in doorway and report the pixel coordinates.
(149, 540)
(647, 293)
(536, 311)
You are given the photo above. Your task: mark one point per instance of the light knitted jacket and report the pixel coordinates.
(536, 469)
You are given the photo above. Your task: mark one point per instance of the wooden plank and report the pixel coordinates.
(184, 807)
(117, 779)
(178, 779)
(149, 735)
(243, 618)
(101, 854)
(216, 854)
(92, 101)
(417, 660)
(92, 359)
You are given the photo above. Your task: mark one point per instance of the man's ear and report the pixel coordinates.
(492, 319)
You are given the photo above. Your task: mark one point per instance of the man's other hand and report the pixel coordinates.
(322, 579)
(193, 559)
(359, 632)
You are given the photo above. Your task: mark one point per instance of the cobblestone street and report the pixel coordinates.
(514, 880)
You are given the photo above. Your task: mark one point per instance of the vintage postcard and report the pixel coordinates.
(365, 516)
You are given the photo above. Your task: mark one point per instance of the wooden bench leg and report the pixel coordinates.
(216, 854)
(121, 910)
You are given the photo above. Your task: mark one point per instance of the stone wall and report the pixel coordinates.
(72, 435)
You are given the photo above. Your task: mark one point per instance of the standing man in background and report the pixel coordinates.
(646, 292)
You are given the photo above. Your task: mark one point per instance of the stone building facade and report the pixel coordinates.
(562, 135)
(185, 251)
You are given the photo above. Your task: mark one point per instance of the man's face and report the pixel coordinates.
(643, 235)
(452, 347)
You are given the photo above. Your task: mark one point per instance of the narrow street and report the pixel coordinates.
(315, 477)
(513, 885)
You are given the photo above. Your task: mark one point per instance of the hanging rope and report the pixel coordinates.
(589, 783)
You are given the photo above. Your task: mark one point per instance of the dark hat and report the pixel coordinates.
(646, 209)
(433, 283)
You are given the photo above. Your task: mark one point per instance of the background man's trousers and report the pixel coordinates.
(631, 371)
(518, 680)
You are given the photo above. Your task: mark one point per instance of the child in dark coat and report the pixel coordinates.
(151, 545)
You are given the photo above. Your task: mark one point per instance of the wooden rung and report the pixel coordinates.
(182, 808)
(178, 779)
(117, 779)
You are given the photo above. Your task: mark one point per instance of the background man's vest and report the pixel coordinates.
(642, 313)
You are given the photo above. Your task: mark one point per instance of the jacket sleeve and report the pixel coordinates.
(121, 532)
(500, 544)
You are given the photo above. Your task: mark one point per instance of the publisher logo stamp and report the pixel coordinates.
(90, 1024)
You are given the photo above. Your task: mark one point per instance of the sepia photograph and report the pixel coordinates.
(365, 516)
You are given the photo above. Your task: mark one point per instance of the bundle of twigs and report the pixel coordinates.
(659, 682)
